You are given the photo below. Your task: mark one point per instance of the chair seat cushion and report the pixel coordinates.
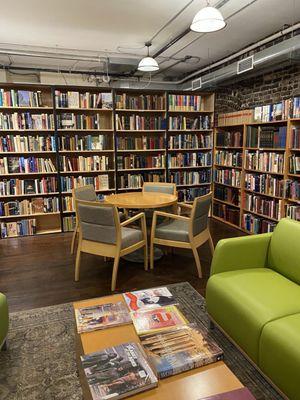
(279, 354)
(130, 236)
(173, 230)
(243, 301)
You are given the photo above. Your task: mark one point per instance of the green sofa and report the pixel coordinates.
(3, 321)
(253, 295)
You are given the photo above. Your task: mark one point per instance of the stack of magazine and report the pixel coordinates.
(169, 344)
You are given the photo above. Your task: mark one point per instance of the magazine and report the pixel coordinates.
(238, 394)
(149, 298)
(180, 349)
(101, 316)
(118, 372)
(157, 319)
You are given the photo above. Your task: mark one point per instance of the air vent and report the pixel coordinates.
(245, 65)
(196, 84)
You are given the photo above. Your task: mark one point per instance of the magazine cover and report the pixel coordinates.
(180, 349)
(149, 298)
(118, 372)
(101, 316)
(156, 320)
(238, 394)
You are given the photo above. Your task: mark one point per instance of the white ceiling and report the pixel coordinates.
(119, 28)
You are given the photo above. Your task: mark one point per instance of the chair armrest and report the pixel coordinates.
(190, 206)
(241, 253)
(169, 215)
(133, 219)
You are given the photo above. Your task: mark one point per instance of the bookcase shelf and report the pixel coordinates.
(82, 110)
(260, 215)
(134, 110)
(142, 151)
(28, 215)
(226, 202)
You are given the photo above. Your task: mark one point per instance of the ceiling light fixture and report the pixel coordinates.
(208, 19)
(148, 64)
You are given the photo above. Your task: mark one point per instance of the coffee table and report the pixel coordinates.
(201, 382)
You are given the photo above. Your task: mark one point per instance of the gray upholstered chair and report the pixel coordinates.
(159, 187)
(184, 232)
(101, 233)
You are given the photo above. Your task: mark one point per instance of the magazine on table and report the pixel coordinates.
(238, 394)
(101, 316)
(118, 372)
(180, 349)
(149, 298)
(157, 319)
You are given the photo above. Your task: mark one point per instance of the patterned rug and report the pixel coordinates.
(40, 363)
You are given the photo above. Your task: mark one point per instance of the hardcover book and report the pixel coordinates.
(149, 298)
(101, 316)
(238, 394)
(180, 349)
(24, 98)
(118, 372)
(157, 319)
(29, 186)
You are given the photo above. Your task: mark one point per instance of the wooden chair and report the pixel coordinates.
(101, 233)
(160, 187)
(184, 232)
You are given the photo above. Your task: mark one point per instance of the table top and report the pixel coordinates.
(201, 382)
(141, 200)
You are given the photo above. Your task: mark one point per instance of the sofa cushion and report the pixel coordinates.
(243, 301)
(284, 250)
(279, 354)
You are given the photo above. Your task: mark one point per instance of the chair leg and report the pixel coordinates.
(115, 272)
(146, 257)
(151, 255)
(77, 264)
(74, 239)
(211, 245)
(197, 261)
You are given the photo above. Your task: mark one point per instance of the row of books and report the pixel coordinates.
(135, 181)
(16, 187)
(296, 107)
(229, 158)
(266, 136)
(29, 207)
(73, 99)
(231, 195)
(274, 112)
(230, 177)
(292, 189)
(229, 139)
(227, 213)
(295, 144)
(20, 143)
(140, 102)
(293, 212)
(189, 194)
(20, 98)
(69, 223)
(137, 122)
(23, 227)
(264, 161)
(261, 205)
(264, 184)
(256, 225)
(21, 121)
(83, 121)
(188, 141)
(68, 203)
(190, 160)
(86, 142)
(100, 182)
(80, 163)
(235, 118)
(294, 163)
(138, 161)
(203, 122)
(186, 102)
(191, 177)
(144, 142)
(16, 165)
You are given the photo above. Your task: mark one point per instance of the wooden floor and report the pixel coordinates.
(38, 271)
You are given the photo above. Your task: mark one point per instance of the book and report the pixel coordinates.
(101, 316)
(29, 186)
(24, 98)
(149, 298)
(181, 349)
(157, 319)
(238, 394)
(118, 372)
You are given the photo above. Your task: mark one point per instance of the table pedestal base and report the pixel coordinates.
(138, 255)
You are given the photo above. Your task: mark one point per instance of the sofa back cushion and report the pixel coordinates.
(284, 250)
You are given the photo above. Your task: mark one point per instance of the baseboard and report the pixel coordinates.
(248, 358)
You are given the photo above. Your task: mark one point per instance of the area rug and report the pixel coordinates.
(40, 363)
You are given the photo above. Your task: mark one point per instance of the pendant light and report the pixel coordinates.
(148, 64)
(208, 19)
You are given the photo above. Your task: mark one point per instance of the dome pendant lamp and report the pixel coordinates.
(148, 64)
(208, 19)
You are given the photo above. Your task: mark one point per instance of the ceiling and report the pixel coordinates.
(77, 34)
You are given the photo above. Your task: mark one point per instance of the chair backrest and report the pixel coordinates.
(284, 249)
(199, 214)
(98, 222)
(160, 187)
(86, 193)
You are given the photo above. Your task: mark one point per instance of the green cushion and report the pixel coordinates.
(243, 301)
(279, 354)
(284, 250)
(3, 318)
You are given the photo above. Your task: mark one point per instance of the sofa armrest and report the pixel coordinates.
(240, 253)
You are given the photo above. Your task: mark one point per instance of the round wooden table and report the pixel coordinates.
(142, 200)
